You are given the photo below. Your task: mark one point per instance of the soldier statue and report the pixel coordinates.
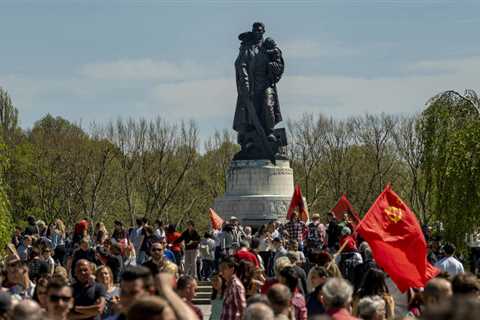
(258, 67)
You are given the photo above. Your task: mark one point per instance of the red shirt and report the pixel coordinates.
(171, 237)
(340, 314)
(246, 255)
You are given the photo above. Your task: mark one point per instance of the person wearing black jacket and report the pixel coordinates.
(191, 239)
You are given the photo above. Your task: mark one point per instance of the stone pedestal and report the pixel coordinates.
(257, 191)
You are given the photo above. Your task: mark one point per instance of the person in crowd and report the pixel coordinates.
(25, 248)
(84, 252)
(296, 229)
(115, 261)
(159, 230)
(129, 255)
(258, 311)
(289, 277)
(80, 231)
(17, 280)
(350, 258)
(135, 282)
(278, 249)
(207, 254)
(105, 277)
(5, 305)
(248, 233)
(449, 263)
(255, 249)
(186, 288)
(119, 232)
(58, 236)
(172, 235)
(40, 292)
(337, 296)
(31, 229)
(437, 291)
(371, 308)
(37, 267)
(218, 289)
(293, 247)
(281, 263)
(163, 284)
(27, 310)
(59, 299)
(150, 308)
(374, 285)
(280, 300)
(314, 301)
(136, 236)
(167, 253)
(466, 284)
(46, 255)
(234, 298)
(333, 232)
(316, 236)
(192, 240)
(89, 296)
(158, 263)
(243, 253)
(302, 276)
(237, 233)
(317, 276)
(17, 236)
(246, 272)
(100, 234)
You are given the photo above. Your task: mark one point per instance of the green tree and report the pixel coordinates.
(8, 116)
(450, 129)
(5, 216)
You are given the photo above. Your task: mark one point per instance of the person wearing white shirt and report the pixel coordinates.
(449, 263)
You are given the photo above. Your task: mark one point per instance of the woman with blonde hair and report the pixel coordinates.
(104, 276)
(101, 233)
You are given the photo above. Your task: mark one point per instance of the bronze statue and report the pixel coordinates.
(258, 67)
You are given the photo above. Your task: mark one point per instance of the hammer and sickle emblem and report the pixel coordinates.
(394, 214)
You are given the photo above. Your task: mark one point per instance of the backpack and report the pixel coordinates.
(348, 262)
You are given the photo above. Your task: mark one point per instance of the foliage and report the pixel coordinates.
(5, 217)
(450, 129)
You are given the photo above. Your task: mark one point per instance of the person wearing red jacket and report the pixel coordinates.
(244, 254)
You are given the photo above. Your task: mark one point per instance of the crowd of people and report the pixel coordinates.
(151, 271)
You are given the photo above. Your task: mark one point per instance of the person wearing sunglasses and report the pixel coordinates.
(59, 299)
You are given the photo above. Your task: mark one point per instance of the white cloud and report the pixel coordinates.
(109, 94)
(144, 69)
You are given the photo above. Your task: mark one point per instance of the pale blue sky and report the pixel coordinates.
(98, 60)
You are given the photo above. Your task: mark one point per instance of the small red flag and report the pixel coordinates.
(297, 202)
(215, 220)
(398, 245)
(344, 206)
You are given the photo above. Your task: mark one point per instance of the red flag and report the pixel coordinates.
(398, 246)
(215, 220)
(344, 206)
(297, 202)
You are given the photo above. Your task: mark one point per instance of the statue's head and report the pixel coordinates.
(258, 29)
(269, 43)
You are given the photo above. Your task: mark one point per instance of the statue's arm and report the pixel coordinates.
(241, 68)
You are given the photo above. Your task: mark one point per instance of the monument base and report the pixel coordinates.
(257, 191)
